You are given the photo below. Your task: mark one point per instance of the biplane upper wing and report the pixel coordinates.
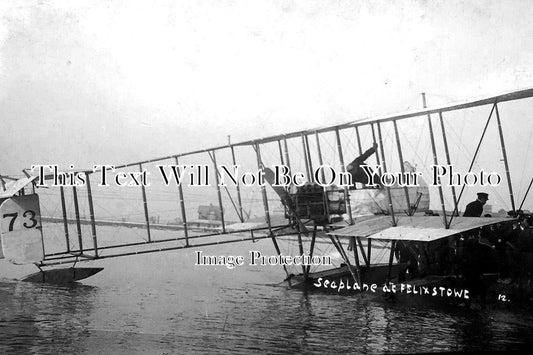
(414, 228)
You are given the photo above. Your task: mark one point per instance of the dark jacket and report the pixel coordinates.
(473, 209)
(354, 168)
(525, 242)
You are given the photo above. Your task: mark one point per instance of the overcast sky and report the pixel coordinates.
(119, 81)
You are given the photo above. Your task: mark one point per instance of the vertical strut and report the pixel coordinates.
(506, 163)
(391, 207)
(358, 140)
(280, 153)
(91, 214)
(343, 168)
(312, 247)
(359, 147)
(301, 248)
(239, 198)
(355, 253)
(183, 213)
(369, 249)
(263, 188)
(265, 206)
(77, 214)
(65, 221)
(308, 167)
(448, 161)
(287, 160)
(374, 140)
(308, 152)
(435, 162)
(320, 161)
(214, 157)
(362, 248)
(400, 155)
(145, 204)
(306, 158)
(391, 257)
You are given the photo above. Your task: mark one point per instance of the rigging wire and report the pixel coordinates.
(477, 163)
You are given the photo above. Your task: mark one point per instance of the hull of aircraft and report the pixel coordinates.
(375, 274)
(62, 276)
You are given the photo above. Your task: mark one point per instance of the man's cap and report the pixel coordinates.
(483, 195)
(515, 214)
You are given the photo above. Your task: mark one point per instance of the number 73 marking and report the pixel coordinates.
(29, 216)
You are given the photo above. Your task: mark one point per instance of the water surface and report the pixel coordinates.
(162, 303)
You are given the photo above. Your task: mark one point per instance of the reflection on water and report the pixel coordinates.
(164, 304)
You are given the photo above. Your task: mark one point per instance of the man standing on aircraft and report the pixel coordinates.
(475, 208)
(355, 169)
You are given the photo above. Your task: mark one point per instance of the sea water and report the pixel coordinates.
(163, 303)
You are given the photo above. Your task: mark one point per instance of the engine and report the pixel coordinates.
(312, 201)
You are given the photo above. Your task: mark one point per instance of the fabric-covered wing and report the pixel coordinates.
(416, 228)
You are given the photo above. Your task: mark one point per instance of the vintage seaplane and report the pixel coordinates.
(376, 233)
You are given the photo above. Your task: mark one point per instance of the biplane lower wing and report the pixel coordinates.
(415, 228)
(258, 223)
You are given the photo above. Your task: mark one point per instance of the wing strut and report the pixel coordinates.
(336, 242)
(436, 162)
(91, 215)
(391, 207)
(265, 205)
(400, 155)
(214, 160)
(145, 204)
(239, 198)
(65, 221)
(77, 214)
(312, 248)
(365, 259)
(448, 161)
(320, 160)
(183, 213)
(346, 194)
(504, 153)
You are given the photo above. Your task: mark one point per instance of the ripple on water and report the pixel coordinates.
(163, 304)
